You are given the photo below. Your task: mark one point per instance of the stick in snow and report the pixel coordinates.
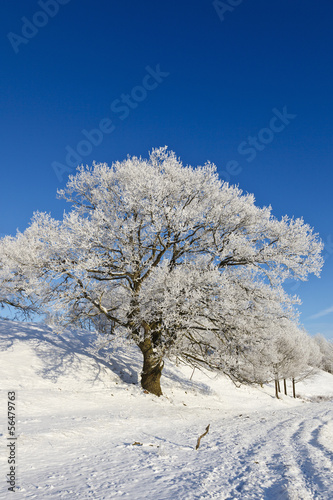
(202, 435)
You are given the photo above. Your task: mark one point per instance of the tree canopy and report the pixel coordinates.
(176, 260)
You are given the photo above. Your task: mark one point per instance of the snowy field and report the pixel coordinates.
(86, 430)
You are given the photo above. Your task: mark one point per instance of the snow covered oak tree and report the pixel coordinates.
(179, 262)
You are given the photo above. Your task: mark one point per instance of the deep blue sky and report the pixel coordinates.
(223, 75)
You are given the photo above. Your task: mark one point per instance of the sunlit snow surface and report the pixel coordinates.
(80, 411)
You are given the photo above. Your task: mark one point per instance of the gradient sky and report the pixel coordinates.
(208, 79)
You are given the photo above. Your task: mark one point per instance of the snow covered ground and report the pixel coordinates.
(86, 430)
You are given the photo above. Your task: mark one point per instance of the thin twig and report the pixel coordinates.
(202, 435)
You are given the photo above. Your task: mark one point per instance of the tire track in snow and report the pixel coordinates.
(273, 455)
(313, 460)
(243, 472)
(285, 460)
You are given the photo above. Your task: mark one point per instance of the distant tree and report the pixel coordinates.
(326, 349)
(260, 350)
(171, 257)
(306, 359)
(288, 352)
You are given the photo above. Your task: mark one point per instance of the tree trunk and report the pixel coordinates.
(294, 388)
(285, 386)
(277, 388)
(152, 368)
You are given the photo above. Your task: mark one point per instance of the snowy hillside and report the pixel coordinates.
(86, 429)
